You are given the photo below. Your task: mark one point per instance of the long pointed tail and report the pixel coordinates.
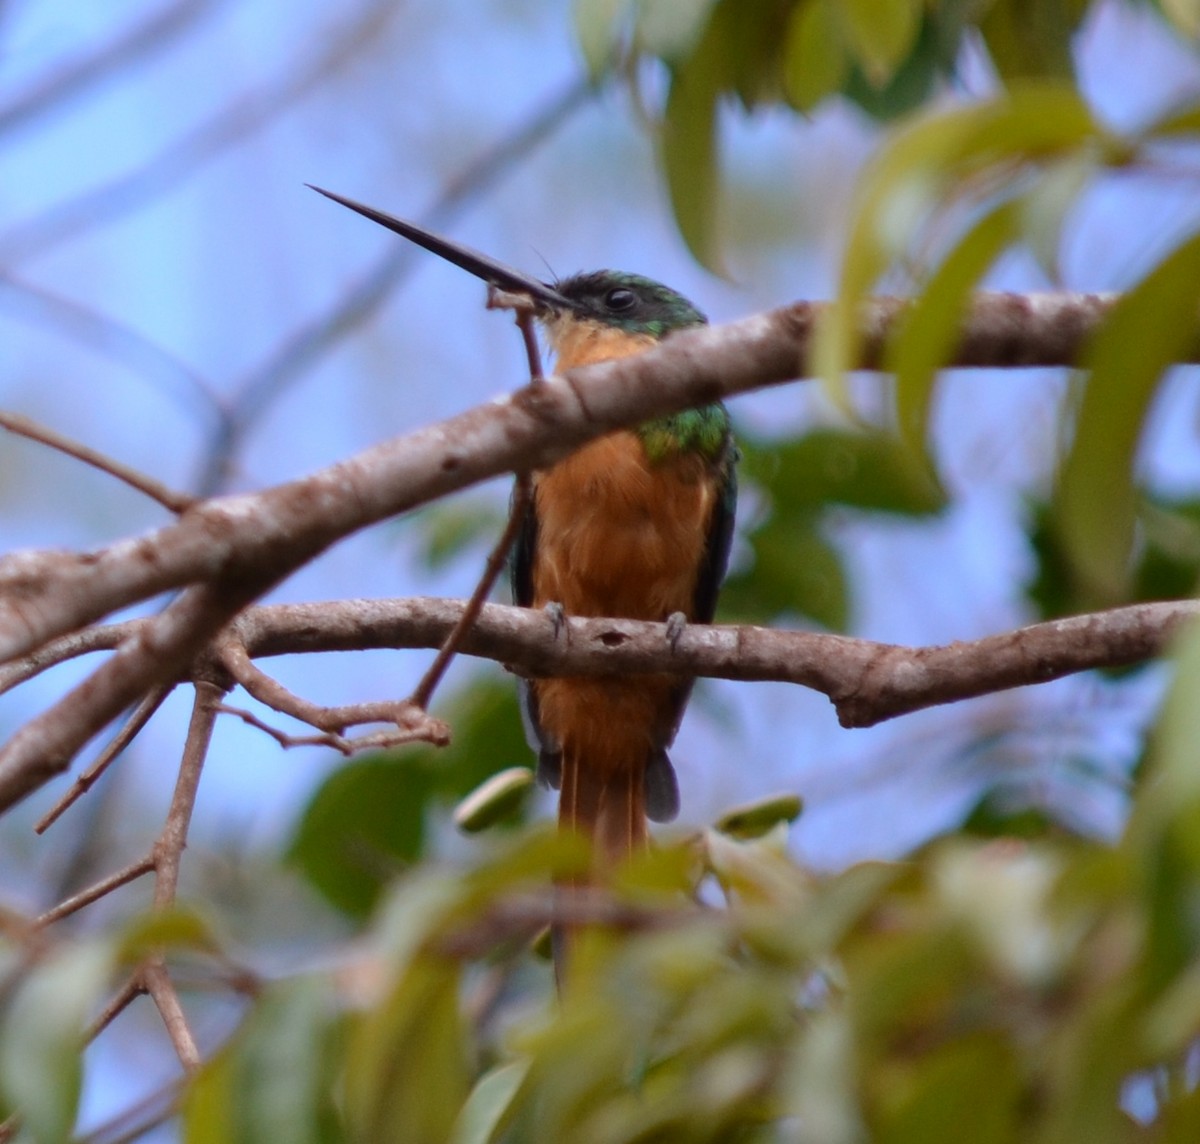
(605, 804)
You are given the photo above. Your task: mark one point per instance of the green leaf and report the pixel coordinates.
(1031, 40)
(933, 58)
(41, 1046)
(930, 330)
(447, 530)
(364, 825)
(487, 737)
(689, 150)
(864, 469)
(669, 29)
(754, 819)
(496, 800)
(487, 1106)
(922, 164)
(276, 1080)
(1150, 327)
(973, 1080)
(597, 24)
(880, 34)
(1165, 830)
(406, 1069)
(815, 60)
(1184, 14)
(174, 928)
(794, 571)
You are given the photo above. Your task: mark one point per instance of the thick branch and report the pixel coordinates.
(867, 681)
(239, 547)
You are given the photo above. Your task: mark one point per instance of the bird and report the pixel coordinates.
(635, 524)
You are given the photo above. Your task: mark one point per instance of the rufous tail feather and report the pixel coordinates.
(606, 805)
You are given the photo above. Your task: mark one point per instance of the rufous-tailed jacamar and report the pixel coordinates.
(636, 524)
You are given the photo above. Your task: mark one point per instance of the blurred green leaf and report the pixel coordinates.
(933, 157)
(933, 59)
(1167, 557)
(862, 469)
(1031, 39)
(929, 331)
(1148, 329)
(973, 1080)
(596, 25)
(406, 1068)
(1184, 14)
(364, 825)
(276, 1081)
(42, 1037)
(368, 820)
(689, 151)
(489, 1104)
(448, 529)
(498, 799)
(176, 928)
(880, 34)
(815, 60)
(488, 737)
(669, 29)
(794, 571)
(754, 819)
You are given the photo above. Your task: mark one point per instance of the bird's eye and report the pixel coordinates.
(619, 299)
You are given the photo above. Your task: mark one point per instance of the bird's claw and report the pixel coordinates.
(557, 616)
(676, 622)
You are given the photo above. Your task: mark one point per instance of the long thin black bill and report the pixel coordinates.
(472, 261)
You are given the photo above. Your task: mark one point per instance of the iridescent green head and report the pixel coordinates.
(629, 302)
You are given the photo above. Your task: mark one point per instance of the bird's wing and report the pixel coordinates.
(549, 755)
(662, 789)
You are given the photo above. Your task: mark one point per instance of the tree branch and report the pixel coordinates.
(228, 551)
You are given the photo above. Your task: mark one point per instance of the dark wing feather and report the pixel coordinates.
(549, 767)
(662, 790)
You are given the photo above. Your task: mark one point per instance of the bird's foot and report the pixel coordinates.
(676, 622)
(557, 615)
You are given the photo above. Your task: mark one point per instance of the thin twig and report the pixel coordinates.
(498, 557)
(103, 637)
(427, 730)
(97, 890)
(129, 731)
(158, 984)
(118, 1003)
(155, 490)
(332, 720)
(169, 846)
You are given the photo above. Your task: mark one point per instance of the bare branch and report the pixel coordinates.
(168, 849)
(97, 891)
(517, 510)
(25, 427)
(129, 731)
(158, 984)
(867, 681)
(233, 549)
